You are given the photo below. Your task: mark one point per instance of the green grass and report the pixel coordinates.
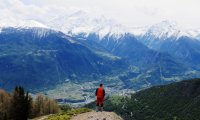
(67, 115)
(107, 55)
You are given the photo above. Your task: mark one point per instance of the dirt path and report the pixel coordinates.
(97, 116)
(41, 118)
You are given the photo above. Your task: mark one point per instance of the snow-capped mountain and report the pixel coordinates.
(21, 23)
(168, 37)
(164, 30)
(35, 32)
(160, 33)
(81, 22)
(138, 31)
(37, 28)
(195, 33)
(84, 23)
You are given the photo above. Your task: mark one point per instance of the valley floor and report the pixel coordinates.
(97, 116)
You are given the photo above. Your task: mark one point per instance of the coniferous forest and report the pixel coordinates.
(19, 105)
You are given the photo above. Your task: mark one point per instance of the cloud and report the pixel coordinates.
(17, 10)
(129, 12)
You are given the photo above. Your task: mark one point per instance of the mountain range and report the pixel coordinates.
(44, 57)
(80, 48)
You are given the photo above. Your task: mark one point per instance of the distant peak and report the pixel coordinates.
(165, 25)
(21, 23)
(83, 22)
(164, 29)
(138, 31)
(32, 23)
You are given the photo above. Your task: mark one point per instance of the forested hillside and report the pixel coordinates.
(176, 101)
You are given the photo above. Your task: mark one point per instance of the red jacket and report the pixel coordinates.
(100, 92)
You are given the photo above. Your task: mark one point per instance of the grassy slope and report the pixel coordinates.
(67, 115)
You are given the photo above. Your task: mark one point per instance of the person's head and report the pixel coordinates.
(101, 85)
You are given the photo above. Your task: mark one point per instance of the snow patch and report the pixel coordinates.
(194, 33)
(164, 30)
(21, 23)
(138, 31)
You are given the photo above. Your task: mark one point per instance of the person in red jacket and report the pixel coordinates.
(100, 94)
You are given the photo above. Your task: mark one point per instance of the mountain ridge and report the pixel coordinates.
(84, 22)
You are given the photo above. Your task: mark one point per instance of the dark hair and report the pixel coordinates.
(101, 85)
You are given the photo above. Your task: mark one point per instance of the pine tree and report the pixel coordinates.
(20, 104)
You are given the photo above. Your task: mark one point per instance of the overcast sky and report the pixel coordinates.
(131, 13)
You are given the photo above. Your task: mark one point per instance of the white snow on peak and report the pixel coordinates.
(194, 33)
(138, 31)
(21, 23)
(82, 22)
(164, 29)
(42, 32)
(168, 29)
(32, 23)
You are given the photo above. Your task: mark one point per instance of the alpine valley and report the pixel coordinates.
(79, 51)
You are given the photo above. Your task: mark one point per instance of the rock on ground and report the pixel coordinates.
(97, 116)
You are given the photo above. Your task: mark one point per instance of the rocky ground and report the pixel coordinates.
(97, 116)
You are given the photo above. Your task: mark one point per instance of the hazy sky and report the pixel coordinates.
(131, 13)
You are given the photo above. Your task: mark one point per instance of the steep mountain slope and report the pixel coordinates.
(167, 37)
(153, 67)
(180, 101)
(38, 57)
(184, 48)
